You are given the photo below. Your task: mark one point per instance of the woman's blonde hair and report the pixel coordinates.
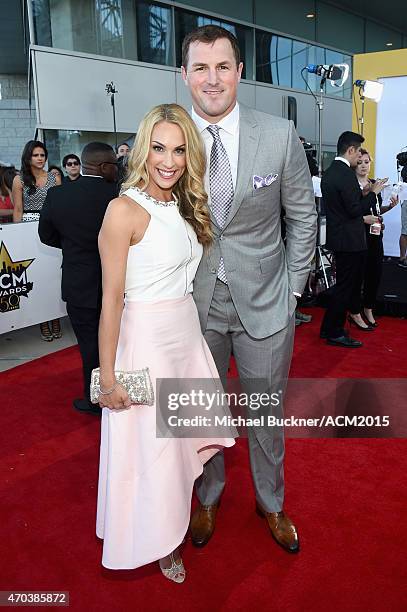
(189, 189)
(366, 152)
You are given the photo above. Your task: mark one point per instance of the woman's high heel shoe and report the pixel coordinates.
(176, 572)
(356, 324)
(371, 323)
(46, 333)
(56, 329)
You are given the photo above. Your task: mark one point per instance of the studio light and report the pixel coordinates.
(372, 90)
(337, 74)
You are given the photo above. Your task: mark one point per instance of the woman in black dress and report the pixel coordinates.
(374, 259)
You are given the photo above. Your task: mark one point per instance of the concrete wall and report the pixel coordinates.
(79, 81)
(17, 121)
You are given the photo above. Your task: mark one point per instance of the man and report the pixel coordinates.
(70, 220)
(345, 234)
(72, 166)
(123, 150)
(246, 283)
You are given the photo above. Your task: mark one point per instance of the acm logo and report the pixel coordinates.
(13, 280)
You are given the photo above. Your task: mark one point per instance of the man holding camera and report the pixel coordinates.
(345, 231)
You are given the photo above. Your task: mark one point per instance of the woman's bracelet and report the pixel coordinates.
(109, 391)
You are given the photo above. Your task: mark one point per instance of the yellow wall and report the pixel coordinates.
(370, 67)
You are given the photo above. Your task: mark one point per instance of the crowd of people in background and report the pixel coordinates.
(23, 192)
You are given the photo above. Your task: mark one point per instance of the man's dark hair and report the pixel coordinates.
(208, 34)
(121, 144)
(68, 157)
(349, 139)
(61, 174)
(96, 153)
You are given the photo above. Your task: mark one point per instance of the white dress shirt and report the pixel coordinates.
(345, 161)
(229, 135)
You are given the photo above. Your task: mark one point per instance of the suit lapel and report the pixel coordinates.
(249, 136)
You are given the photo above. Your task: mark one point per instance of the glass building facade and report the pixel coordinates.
(276, 39)
(152, 32)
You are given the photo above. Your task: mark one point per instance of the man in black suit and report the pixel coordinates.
(345, 233)
(70, 220)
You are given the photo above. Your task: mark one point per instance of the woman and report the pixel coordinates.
(150, 244)
(29, 192)
(6, 204)
(374, 259)
(57, 172)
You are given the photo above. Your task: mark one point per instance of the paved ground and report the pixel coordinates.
(25, 344)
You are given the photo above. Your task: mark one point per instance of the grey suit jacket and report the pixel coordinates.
(262, 274)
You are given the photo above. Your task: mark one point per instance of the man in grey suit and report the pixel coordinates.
(246, 285)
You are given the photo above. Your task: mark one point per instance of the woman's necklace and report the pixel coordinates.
(158, 202)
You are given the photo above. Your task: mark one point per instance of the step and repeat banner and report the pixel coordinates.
(30, 278)
(391, 139)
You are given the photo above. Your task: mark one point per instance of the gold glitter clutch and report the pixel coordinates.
(137, 384)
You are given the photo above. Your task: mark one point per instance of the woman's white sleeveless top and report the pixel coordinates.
(164, 263)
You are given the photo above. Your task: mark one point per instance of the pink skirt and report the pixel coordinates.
(145, 482)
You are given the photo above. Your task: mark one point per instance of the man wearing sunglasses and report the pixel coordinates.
(72, 167)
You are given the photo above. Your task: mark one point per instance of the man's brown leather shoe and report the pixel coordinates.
(202, 524)
(282, 529)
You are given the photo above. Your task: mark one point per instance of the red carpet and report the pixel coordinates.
(347, 496)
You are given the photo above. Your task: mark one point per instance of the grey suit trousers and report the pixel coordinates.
(263, 366)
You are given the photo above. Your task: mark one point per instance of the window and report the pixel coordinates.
(185, 22)
(154, 34)
(280, 61)
(300, 59)
(274, 59)
(91, 26)
(109, 30)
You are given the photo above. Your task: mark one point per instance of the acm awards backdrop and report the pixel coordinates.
(30, 278)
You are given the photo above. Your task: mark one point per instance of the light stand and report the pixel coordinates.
(362, 114)
(320, 105)
(372, 90)
(321, 254)
(337, 74)
(111, 90)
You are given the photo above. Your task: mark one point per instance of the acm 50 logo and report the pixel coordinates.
(13, 280)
